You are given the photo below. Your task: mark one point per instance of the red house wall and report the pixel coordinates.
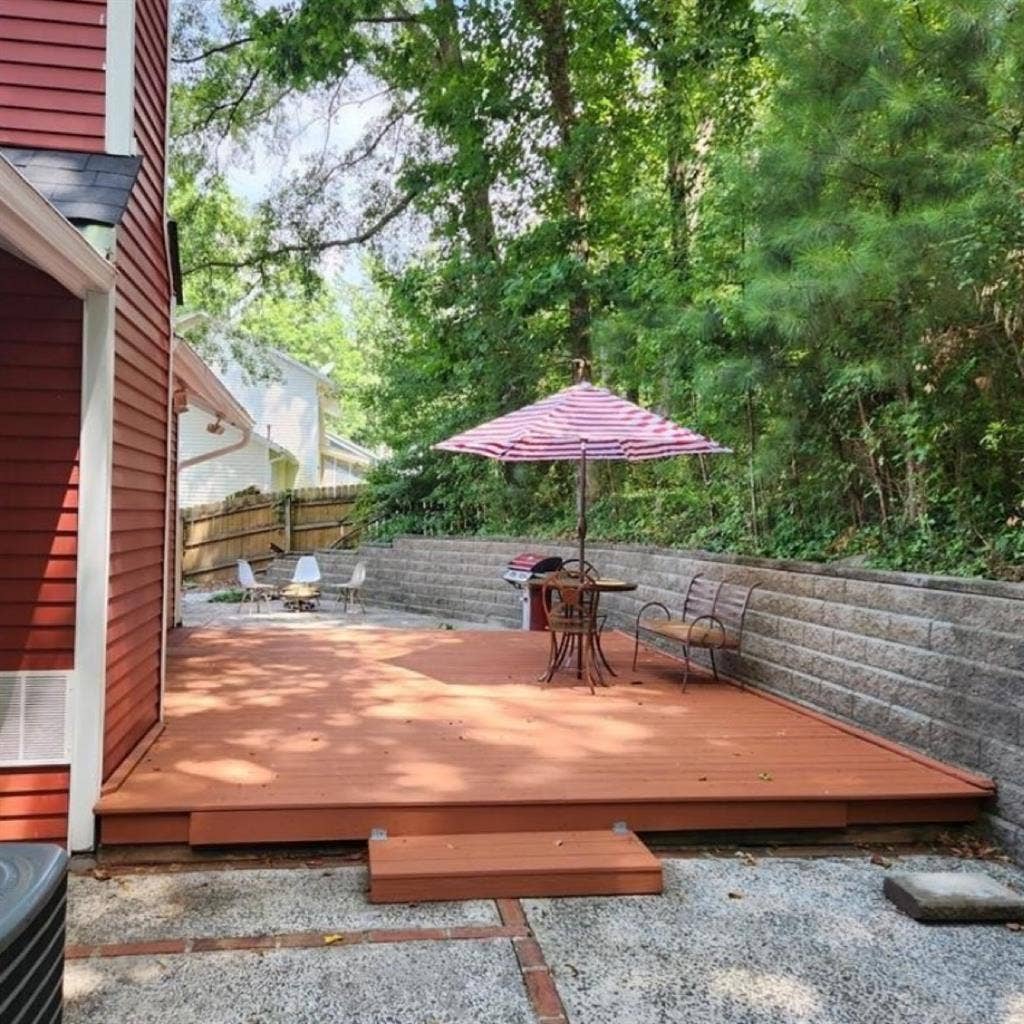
(52, 84)
(40, 394)
(34, 804)
(142, 367)
(40, 397)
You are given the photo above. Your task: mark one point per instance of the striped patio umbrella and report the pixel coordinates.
(579, 423)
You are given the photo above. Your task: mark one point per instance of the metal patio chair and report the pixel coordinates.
(570, 603)
(712, 619)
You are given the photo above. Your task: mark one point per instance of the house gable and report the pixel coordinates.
(286, 409)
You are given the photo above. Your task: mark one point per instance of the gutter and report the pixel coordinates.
(204, 390)
(217, 452)
(37, 232)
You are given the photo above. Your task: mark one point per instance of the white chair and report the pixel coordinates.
(303, 593)
(307, 572)
(351, 591)
(252, 590)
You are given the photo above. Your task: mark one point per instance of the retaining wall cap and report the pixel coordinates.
(955, 584)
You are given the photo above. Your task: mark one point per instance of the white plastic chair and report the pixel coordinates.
(252, 590)
(306, 571)
(351, 590)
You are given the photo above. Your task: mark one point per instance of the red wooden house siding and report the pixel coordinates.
(142, 368)
(34, 804)
(40, 391)
(52, 83)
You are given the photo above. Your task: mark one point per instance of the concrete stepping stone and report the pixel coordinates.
(953, 896)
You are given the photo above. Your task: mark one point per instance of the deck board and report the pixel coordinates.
(511, 864)
(352, 722)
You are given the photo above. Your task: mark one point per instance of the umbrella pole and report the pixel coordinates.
(581, 533)
(581, 522)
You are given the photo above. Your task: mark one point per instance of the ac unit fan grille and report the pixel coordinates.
(32, 968)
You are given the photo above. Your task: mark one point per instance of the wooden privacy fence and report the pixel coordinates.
(257, 527)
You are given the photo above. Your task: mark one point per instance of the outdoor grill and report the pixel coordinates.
(525, 572)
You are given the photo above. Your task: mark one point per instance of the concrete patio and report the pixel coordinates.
(734, 938)
(199, 611)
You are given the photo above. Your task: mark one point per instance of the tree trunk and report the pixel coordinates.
(477, 208)
(549, 17)
(752, 439)
(915, 499)
(876, 476)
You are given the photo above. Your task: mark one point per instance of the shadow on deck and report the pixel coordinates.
(307, 736)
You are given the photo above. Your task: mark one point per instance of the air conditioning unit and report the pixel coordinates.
(33, 901)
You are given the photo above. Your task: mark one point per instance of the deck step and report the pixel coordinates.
(413, 869)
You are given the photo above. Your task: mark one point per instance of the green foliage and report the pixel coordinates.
(796, 228)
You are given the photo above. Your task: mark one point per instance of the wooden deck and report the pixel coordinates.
(284, 735)
(496, 865)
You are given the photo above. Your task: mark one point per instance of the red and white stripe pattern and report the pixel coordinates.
(558, 427)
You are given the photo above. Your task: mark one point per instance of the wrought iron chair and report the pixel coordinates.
(712, 619)
(590, 572)
(570, 603)
(571, 566)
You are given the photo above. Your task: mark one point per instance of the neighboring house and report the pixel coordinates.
(86, 403)
(344, 461)
(289, 446)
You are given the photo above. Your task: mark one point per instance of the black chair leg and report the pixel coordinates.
(600, 651)
(714, 667)
(545, 676)
(686, 666)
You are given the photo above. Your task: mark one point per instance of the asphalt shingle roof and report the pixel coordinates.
(88, 188)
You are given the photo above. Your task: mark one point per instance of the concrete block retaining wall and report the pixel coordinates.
(936, 663)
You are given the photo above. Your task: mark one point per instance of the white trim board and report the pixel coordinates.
(35, 231)
(120, 78)
(88, 695)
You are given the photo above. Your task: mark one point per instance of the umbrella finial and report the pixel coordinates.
(580, 370)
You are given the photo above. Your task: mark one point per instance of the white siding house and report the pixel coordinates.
(289, 446)
(222, 475)
(288, 410)
(344, 461)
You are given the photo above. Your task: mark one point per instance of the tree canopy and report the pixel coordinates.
(795, 227)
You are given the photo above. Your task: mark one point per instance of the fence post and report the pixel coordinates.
(288, 522)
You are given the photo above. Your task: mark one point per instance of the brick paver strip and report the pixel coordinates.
(537, 979)
(511, 912)
(296, 940)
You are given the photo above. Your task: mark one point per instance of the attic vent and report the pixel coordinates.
(33, 717)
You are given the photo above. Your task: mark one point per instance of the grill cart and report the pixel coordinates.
(526, 572)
